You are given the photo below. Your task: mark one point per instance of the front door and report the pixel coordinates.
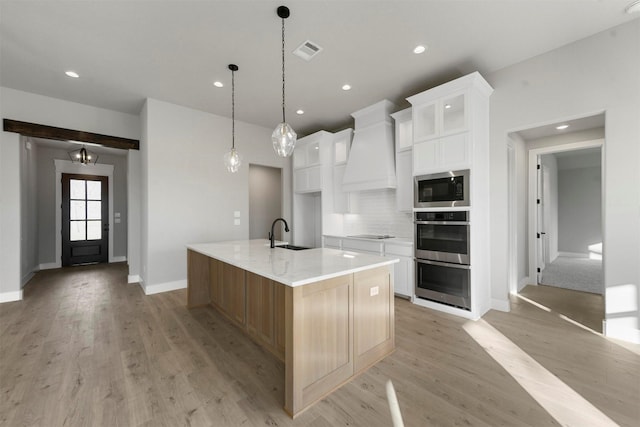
(85, 225)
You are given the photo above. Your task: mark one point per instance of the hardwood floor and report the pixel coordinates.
(585, 308)
(84, 348)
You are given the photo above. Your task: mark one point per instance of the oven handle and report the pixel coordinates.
(443, 264)
(442, 222)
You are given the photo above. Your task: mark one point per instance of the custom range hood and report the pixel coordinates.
(371, 162)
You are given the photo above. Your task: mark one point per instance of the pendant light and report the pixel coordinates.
(283, 137)
(232, 159)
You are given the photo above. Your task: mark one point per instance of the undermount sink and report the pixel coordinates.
(292, 247)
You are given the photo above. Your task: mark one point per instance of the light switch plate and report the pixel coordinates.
(236, 221)
(236, 214)
(117, 214)
(373, 291)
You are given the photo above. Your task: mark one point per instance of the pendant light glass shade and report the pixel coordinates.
(284, 140)
(283, 137)
(232, 159)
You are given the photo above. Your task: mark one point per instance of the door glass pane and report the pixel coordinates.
(94, 190)
(94, 210)
(77, 188)
(77, 210)
(78, 230)
(94, 230)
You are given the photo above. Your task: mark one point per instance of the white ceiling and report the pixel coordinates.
(126, 51)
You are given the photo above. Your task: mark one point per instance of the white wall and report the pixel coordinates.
(188, 196)
(521, 210)
(29, 209)
(592, 75)
(134, 201)
(43, 110)
(579, 208)
(265, 201)
(10, 210)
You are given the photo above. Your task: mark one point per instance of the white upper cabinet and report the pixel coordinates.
(341, 146)
(446, 124)
(306, 153)
(404, 164)
(404, 129)
(307, 162)
(439, 118)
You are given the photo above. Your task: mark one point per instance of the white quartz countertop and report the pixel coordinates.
(292, 268)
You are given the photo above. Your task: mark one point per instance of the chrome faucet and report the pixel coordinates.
(286, 229)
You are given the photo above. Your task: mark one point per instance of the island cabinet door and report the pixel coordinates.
(233, 293)
(319, 346)
(260, 309)
(373, 314)
(197, 279)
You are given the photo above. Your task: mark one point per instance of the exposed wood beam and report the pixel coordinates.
(61, 134)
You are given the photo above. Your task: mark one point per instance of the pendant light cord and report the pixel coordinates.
(233, 110)
(283, 116)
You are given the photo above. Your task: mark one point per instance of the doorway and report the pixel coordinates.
(265, 201)
(566, 216)
(556, 215)
(85, 213)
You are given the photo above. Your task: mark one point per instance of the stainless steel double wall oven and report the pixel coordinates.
(442, 247)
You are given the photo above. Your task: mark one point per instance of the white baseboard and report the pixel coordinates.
(164, 287)
(49, 266)
(624, 333)
(500, 305)
(11, 296)
(118, 259)
(573, 254)
(134, 278)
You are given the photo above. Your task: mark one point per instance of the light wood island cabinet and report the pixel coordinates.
(325, 331)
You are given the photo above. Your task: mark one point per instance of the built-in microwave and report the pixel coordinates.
(447, 189)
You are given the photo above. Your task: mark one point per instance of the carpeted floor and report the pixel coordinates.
(578, 274)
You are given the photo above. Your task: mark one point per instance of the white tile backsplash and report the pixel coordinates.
(377, 214)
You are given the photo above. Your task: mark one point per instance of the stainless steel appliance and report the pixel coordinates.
(444, 282)
(447, 189)
(443, 273)
(442, 236)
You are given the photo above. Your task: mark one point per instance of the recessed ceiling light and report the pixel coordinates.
(218, 84)
(633, 7)
(346, 87)
(562, 127)
(419, 49)
(447, 106)
(72, 74)
(300, 112)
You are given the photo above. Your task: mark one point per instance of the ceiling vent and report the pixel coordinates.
(307, 50)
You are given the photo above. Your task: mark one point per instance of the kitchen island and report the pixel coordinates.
(327, 314)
